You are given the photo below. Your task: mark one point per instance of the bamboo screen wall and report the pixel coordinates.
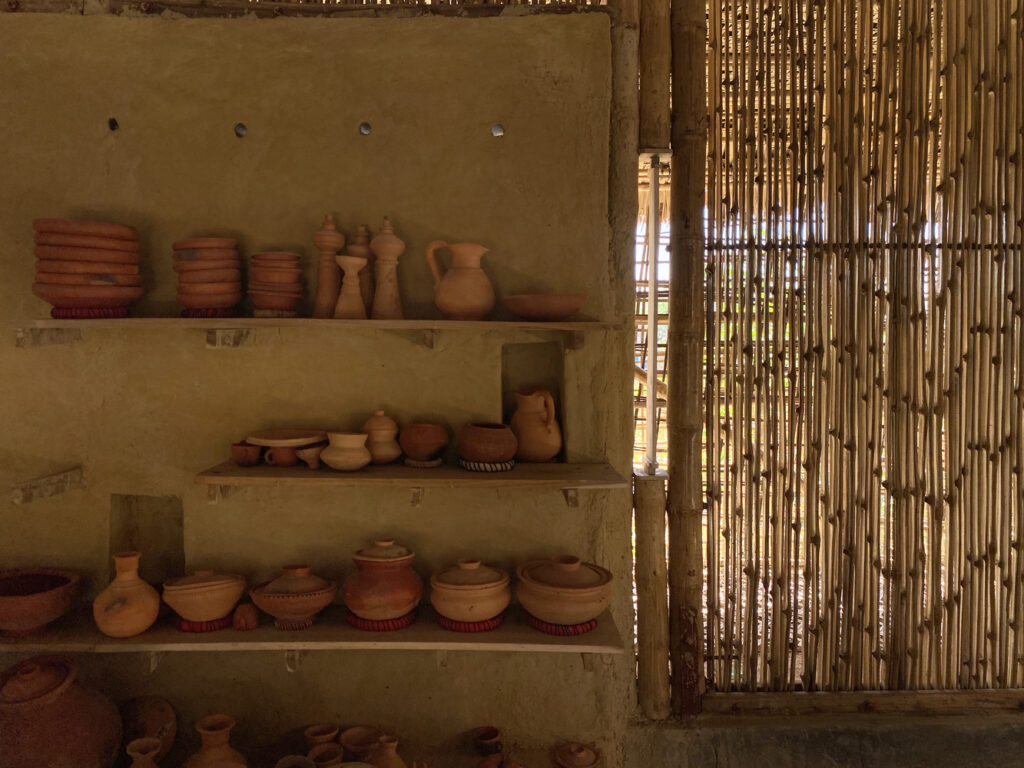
(864, 416)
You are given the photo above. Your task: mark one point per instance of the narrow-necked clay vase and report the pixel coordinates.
(48, 720)
(463, 292)
(487, 443)
(216, 751)
(535, 426)
(128, 606)
(143, 752)
(347, 451)
(384, 585)
(470, 591)
(385, 754)
(381, 432)
(423, 443)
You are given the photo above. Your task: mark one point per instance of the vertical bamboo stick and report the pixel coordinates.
(651, 588)
(655, 64)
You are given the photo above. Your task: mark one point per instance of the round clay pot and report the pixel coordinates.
(204, 596)
(184, 267)
(327, 755)
(216, 751)
(104, 255)
(487, 442)
(270, 275)
(281, 457)
(210, 301)
(59, 278)
(360, 739)
(48, 720)
(86, 241)
(150, 717)
(294, 597)
(470, 591)
(265, 300)
(95, 228)
(128, 606)
(209, 276)
(30, 598)
(86, 268)
(321, 733)
(563, 590)
(347, 451)
(90, 296)
(245, 454)
(384, 585)
(204, 242)
(381, 431)
(422, 441)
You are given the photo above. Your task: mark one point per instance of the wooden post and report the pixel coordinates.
(651, 593)
(655, 63)
(685, 351)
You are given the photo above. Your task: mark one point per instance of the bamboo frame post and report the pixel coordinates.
(655, 63)
(651, 589)
(653, 246)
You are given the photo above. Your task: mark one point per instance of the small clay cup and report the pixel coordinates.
(281, 457)
(487, 442)
(245, 454)
(487, 740)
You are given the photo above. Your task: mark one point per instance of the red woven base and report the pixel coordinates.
(471, 626)
(390, 625)
(83, 313)
(564, 630)
(207, 313)
(292, 625)
(204, 626)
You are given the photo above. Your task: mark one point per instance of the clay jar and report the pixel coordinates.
(294, 597)
(535, 426)
(563, 590)
(384, 585)
(487, 442)
(143, 752)
(347, 451)
(128, 606)
(48, 720)
(385, 754)
(216, 752)
(423, 443)
(150, 717)
(463, 292)
(470, 591)
(381, 431)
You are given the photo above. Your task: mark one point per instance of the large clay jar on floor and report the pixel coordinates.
(384, 585)
(128, 606)
(48, 720)
(535, 426)
(216, 752)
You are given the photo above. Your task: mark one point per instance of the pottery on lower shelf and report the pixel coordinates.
(205, 595)
(545, 307)
(576, 755)
(281, 456)
(294, 597)
(384, 585)
(321, 733)
(286, 437)
(381, 431)
(470, 591)
(360, 739)
(129, 605)
(30, 598)
(294, 761)
(49, 720)
(327, 755)
(384, 754)
(563, 590)
(150, 717)
(487, 740)
(347, 451)
(423, 443)
(143, 752)
(535, 425)
(216, 750)
(487, 442)
(311, 454)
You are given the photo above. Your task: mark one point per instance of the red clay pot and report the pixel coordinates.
(184, 267)
(422, 441)
(384, 585)
(93, 296)
(210, 276)
(256, 285)
(210, 301)
(94, 228)
(246, 454)
(487, 442)
(209, 289)
(205, 254)
(86, 241)
(50, 254)
(275, 275)
(267, 300)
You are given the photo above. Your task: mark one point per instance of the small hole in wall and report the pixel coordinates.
(497, 130)
(240, 130)
(364, 128)
(112, 124)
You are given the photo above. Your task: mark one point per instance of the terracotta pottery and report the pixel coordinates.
(563, 590)
(327, 755)
(311, 454)
(487, 443)
(216, 751)
(360, 739)
(86, 241)
(143, 752)
(294, 761)
(94, 228)
(281, 456)
(245, 454)
(30, 598)
(283, 275)
(205, 595)
(48, 720)
(382, 431)
(384, 585)
(128, 606)
(328, 279)
(210, 301)
(206, 289)
(347, 451)
(360, 248)
(204, 242)
(60, 278)
(150, 717)
(463, 292)
(423, 442)
(293, 289)
(576, 755)
(487, 740)
(294, 597)
(321, 733)
(470, 591)
(384, 754)
(206, 254)
(88, 295)
(281, 257)
(210, 276)
(350, 304)
(535, 426)
(265, 300)
(47, 253)
(545, 307)
(86, 268)
(387, 247)
(286, 437)
(245, 617)
(186, 267)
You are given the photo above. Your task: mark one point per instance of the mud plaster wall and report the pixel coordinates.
(143, 411)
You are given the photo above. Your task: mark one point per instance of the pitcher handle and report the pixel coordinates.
(549, 407)
(436, 245)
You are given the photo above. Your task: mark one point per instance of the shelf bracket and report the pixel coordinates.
(588, 661)
(153, 659)
(424, 338)
(217, 338)
(415, 497)
(48, 485)
(293, 660)
(574, 340)
(41, 337)
(572, 497)
(215, 493)
(442, 660)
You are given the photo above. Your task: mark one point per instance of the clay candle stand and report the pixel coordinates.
(423, 443)
(563, 596)
(463, 292)
(294, 597)
(360, 248)
(387, 247)
(350, 304)
(128, 606)
(328, 280)
(30, 598)
(383, 591)
(275, 284)
(209, 276)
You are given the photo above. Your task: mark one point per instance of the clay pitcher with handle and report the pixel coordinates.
(463, 292)
(535, 426)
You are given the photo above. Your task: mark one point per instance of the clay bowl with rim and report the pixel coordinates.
(86, 241)
(80, 227)
(545, 307)
(204, 596)
(184, 267)
(360, 739)
(470, 591)
(201, 243)
(487, 442)
(60, 278)
(327, 755)
(293, 610)
(563, 590)
(87, 267)
(209, 289)
(423, 441)
(210, 301)
(283, 301)
(89, 296)
(275, 275)
(57, 253)
(206, 254)
(321, 733)
(210, 276)
(30, 598)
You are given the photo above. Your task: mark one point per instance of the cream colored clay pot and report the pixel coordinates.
(347, 451)
(470, 591)
(128, 606)
(563, 590)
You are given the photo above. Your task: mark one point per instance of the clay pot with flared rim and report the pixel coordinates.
(205, 595)
(327, 755)
(211, 300)
(86, 268)
(487, 442)
(470, 591)
(381, 431)
(274, 275)
(204, 242)
(208, 276)
(87, 296)
(421, 441)
(347, 451)
(384, 754)
(563, 590)
(321, 733)
(49, 720)
(89, 228)
(281, 301)
(245, 454)
(294, 597)
(143, 752)
(57, 278)
(31, 598)
(129, 605)
(86, 241)
(360, 739)
(487, 740)
(216, 751)
(102, 255)
(576, 755)
(150, 717)
(281, 457)
(185, 267)
(384, 585)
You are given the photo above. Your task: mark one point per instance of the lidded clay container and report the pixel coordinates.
(384, 585)
(294, 597)
(470, 591)
(205, 595)
(563, 590)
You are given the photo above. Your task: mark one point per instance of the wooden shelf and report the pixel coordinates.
(235, 323)
(78, 634)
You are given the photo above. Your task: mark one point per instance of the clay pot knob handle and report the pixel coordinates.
(567, 563)
(432, 262)
(469, 565)
(384, 543)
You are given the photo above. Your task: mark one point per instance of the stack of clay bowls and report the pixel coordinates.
(86, 269)
(275, 282)
(209, 276)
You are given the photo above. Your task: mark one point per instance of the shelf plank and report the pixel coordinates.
(549, 476)
(78, 634)
(237, 323)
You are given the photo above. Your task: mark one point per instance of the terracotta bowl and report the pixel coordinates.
(265, 300)
(245, 454)
(204, 602)
(76, 227)
(92, 296)
(30, 598)
(487, 443)
(295, 610)
(210, 301)
(59, 278)
(184, 267)
(564, 603)
(86, 241)
(422, 441)
(328, 755)
(208, 276)
(208, 289)
(86, 268)
(274, 275)
(61, 253)
(203, 243)
(547, 307)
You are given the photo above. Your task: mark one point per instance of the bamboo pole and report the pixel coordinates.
(649, 502)
(655, 63)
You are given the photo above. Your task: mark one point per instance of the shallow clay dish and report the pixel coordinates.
(60, 278)
(546, 307)
(30, 598)
(91, 296)
(204, 242)
(205, 595)
(62, 254)
(94, 228)
(87, 268)
(181, 267)
(86, 241)
(210, 301)
(286, 437)
(205, 254)
(210, 276)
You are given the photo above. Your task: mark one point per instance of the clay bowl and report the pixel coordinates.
(210, 301)
(421, 441)
(275, 275)
(59, 253)
(293, 610)
(86, 268)
(184, 267)
(201, 243)
(470, 592)
(60, 278)
(210, 276)
(282, 301)
(360, 739)
(245, 454)
(487, 442)
(208, 289)
(563, 590)
(87, 296)
(30, 598)
(206, 254)
(86, 241)
(95, 228)
(545, 307)
(321, 733)
(204, 596)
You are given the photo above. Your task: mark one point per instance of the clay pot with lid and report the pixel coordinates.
(129, 605)
(30, 598)
(563, 590)
(470, 591)
(205, 595)
(294, 597)
(216, 751)
(49, 720)
(487, 443)
(384, 585)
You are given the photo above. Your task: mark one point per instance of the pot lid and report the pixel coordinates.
(35, 678)
(565, 572)
(200, 579)
(575, 755)
(384, 550)
(470, 573)
(296, 580)
(380, 421)
(286, 437)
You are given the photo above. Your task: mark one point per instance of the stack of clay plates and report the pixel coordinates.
(86, 269)
(209, 276)
(275, 281)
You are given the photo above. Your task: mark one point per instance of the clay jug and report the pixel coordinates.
(128, 606)
(216, 752)
(347, 451)
(328, 279)
(463, 292)
(382, 431)
(48, 720)
(535, 426)
(143, 752)
(384, 585)
(385, 754)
